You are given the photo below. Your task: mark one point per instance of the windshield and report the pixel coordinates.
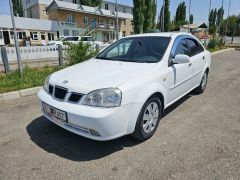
(74, 38)
(87, 39)
(136, 49)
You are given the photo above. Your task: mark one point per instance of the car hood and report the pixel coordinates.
(96, 74)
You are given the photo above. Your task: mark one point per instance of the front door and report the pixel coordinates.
(180, 73)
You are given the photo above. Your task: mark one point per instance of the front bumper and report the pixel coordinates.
(109, 123)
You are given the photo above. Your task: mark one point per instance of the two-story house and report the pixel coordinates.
(77, 19)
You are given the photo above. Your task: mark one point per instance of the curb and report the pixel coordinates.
(221, 51)
(33, 91)
(19, 94)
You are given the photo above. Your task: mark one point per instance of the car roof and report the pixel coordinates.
(162, 34)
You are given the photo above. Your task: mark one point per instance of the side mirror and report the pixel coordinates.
(181, 59)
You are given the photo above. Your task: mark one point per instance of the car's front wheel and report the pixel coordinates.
(148, 119)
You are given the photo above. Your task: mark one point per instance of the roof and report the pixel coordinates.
(85, 9)
(28, 23)
(162, 34)
(121, 4)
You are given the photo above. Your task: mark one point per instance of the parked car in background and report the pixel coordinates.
(74, 40)
(58, 42)
(127, 87)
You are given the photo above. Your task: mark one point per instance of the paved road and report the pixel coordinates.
(199, 138)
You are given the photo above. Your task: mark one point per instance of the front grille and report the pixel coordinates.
(75, 97)
(50, 89)
(60, 92)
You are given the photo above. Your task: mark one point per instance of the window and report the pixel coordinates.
(21, 35)
(70, 18)
(42, 36)
(11, 34)
(136, 49)
(106, 6)
(123, 33)
(66, 32)
(131, 22)
(74, 1)
(85, 20)
(115, 8)
(86, 38)
(194, 47)
(1, 36)
(181, 48)
(34, 35)
(124, 10)
(50, 36)
(74, 32)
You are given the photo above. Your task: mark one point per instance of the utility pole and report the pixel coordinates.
(210, 4)
(227, 21)
(117, 20)
(16, 39)
(163, 14)
(189, 11)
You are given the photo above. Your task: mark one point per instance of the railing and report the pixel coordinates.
(104, 26)
(69, 24)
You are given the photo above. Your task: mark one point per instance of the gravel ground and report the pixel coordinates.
(199, 138)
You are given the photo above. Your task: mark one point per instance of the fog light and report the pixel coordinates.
(94, 132)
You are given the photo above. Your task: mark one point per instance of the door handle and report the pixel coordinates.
(190, 64)
(203, 57)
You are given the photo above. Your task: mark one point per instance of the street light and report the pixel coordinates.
(16, 39)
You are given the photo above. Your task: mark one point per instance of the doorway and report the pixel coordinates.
(6, 37)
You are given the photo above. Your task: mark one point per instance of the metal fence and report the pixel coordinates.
(33, 56)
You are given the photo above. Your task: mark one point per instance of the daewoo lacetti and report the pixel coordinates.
(125, 89)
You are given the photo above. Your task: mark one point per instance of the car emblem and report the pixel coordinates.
(65, 82)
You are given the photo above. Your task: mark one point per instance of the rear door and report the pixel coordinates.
(197, 56)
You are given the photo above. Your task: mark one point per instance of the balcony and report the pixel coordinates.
(67, 24)
(104, 26)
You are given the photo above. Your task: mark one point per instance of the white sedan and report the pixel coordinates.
(127, 87)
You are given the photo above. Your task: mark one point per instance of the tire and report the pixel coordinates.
(202, 86)
(147, 122)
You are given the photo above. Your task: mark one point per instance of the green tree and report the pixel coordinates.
(148, 15)
(180, 18)
(191, 19)
(138, 15)
(212, 21)
(92, 3)
(154, 13)
(167, 20)
(220, 14)
(17, 8)
(233, 26)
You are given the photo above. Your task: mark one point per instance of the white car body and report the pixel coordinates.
(137, 82)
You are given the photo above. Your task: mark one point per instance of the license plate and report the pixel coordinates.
(54, 113)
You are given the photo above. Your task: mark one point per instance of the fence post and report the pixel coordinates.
(60, 55)
(5, 59)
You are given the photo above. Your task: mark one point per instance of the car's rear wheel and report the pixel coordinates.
(148, 119)
(202, 86)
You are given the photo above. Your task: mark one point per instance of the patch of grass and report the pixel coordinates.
(32, 77)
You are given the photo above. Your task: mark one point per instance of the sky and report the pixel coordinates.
(199, 8)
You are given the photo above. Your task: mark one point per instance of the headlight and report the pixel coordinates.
(109, 97)
(46, 84)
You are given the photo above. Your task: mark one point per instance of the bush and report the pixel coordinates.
(76, 53)
(215, 43)
(212, 44)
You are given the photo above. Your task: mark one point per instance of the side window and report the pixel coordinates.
(194, 47)
(181, 48)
